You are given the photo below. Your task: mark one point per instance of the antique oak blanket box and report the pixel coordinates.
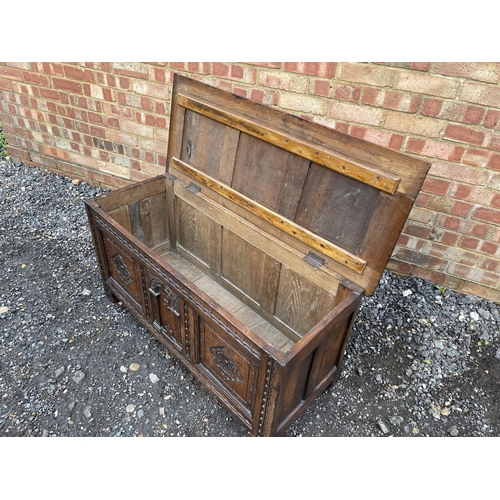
(249, 257)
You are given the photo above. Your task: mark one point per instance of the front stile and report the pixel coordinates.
(100, 251)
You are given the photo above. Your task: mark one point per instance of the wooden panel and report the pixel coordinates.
(130, 194)
(123, 269)
(301, 304)
(260, 238)
(154, 220)
(269, 175)
(210, 146)
(250, 270)
(121, 216)
(364, 173)
(194, 232)
(336, 207)
(312, 240)
(234, 368)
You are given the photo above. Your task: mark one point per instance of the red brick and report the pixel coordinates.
(237, 71)
(36, 79)
(476, 157)
(473, 115)
(395, 142)
(220, 69)
(403, 240)
(464, 134)
(495, 201)
(488, 264)
(67, 85)
(371, 96)
(321, 87)
(342, 127)
(461, 208)
(491, 120)
(468, 243)
(449, 238)
(436, 186)
(421, 66)
(178, 65)
(347, 93)
(421, 259)
(494, 162)
(487, 215)
(479, 230)
(94, 117)
(489, 248)
(11, 73)
(79, 74)
(159, 75)
(420, 231)
(399, 267)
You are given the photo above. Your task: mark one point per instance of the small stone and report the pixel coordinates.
(130, 408)
(123, 369)
(162, 411)
(396, 420)
(453, 431)
(140, 413)
(86, 411)
(154, 379)
(415, 431)
(445, 412)
(71, 405)
(474, 315)
(78, 376)
(3, 309)
(406, 293)
(383, 427)
(75, 182)
(86, 291)
(134, 367)
(59, 371)
(497, 354)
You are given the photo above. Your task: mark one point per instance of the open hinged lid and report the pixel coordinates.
(340, 200)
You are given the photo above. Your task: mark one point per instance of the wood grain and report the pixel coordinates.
(346, 258)
(363, 173)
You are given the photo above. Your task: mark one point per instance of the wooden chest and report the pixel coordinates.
(249, 257)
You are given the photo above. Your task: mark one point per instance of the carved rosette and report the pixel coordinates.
(224, 361)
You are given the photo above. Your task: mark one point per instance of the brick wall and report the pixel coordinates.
(107, 123)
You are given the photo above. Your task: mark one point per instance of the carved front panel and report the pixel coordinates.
(164, 308)
(230, 363)
(123, 269)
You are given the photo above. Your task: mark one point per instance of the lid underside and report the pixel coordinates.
(341, 198)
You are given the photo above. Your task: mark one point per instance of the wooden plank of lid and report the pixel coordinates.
(364, 173)
(312, 240)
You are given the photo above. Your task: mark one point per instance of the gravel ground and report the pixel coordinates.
(422, 361)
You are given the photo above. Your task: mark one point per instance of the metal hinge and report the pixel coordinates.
(193, 188)
(314, 260)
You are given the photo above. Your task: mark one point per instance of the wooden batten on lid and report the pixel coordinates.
(340, 200)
